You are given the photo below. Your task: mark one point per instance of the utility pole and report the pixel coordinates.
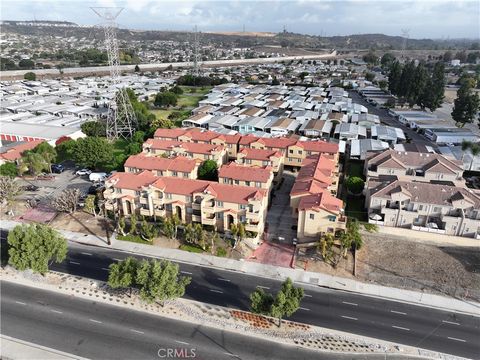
(121, 117)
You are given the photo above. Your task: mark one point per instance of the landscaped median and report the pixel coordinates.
(291, 333)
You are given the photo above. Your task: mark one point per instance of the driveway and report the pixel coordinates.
(279, 216)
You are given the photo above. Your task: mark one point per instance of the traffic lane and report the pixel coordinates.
(220, 288)
(94, 330)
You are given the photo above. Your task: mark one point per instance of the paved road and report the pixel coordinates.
(408, 324)
(386, 119)
(99, 331)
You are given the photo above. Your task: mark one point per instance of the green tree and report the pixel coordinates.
(9, 169)
(46, 151)
(162, 123)
(467, 103)
(133, 224)
(32, 163)
(137, 68)
(406, 80)
(30, 76)
(92, 152)
(35, 247)
(94, 128)
(447, 56)
(417, 87)
(148, 230)
(159, 280)
(90, 205)
(168, 228)
(121, 225)
(122, 273)
(474, 149)
(189, 233)
(383, 84)
(176, 221)
(355, 184)
(65, 150)
(26, 64)
(208, 170)
(394, 77)
(285, 303)
(165, 99)
(434, 91)
(9, 190)
(240, 234)
(275, 81)
(370, 58)
(177, 90)
(369, 76)
(387, 60)
(200, 236)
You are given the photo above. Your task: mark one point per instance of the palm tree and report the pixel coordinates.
(189, 234)
(474, 150)
(199, 235)
(175, 222)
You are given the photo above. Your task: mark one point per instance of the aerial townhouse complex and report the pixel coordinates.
(420, 191)
(162, 181)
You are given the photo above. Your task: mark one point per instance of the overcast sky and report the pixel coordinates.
(424, 18)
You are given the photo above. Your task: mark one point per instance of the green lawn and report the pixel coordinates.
(191, 248)
(133, 238)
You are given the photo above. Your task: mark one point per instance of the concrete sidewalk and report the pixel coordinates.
(12, 349)
(274, 272)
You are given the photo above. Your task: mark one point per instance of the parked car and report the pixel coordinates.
(83, 172)
(100, 176)
(58, 168)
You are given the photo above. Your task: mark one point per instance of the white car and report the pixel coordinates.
(83, 172)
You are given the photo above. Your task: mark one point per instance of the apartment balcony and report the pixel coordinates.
(196, 206)
(145, 212)
(389, 211)
(208, 221)
(252, 227)
(253, 215)
(196, 218)
(159, 212)
(208, 207)
(157, 201)
(144, 200)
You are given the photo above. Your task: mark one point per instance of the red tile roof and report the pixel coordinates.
(321, 201)
(122, 180)
(179, 163)
(317, 167)
(318, 146)
(245, 173)
(189, 147)
(259, 154)
(169, 133)
(307, 187)
(15, 152)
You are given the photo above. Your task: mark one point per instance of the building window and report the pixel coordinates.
(299, 160)
(220, 203)
(242, 207)
(312, 216)
(119, 191)
(243, 218)
(219, 216)
(137, 193)
(237, 182)
(290, 151)
(247, 183)
(436, 209)
(332, 218)
(225, 180)
(300, 152)
(258, 184)
(205, 157)
(188, 199)
(248, 161)
(265, 163)
(420, 207)
(174, 173)
(185, 175)
(168, 196)
(168, 207)
(189, 210)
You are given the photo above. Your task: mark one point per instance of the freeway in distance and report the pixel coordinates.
(402, 323)
(99, 331)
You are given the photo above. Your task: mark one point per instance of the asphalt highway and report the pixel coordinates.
(403, 323)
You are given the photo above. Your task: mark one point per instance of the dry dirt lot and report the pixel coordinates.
(453, 271)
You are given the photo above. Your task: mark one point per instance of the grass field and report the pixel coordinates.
(191, 248)
(133, 238)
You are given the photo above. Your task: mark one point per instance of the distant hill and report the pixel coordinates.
(238, 39)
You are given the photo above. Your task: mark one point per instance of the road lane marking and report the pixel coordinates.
(74, 262)
(349, 303)
(117, 259)
(95, 321)
(263, 287)
(217, 291)
(302, 308)
(222, 279)
(137, 331)
(186, 272)
(20, 303)
(450, 322)
(306, 295)
(398, 312)
(182, 342)
(84, 253)
(56, 311)
(400, 328)
(349, 317)
(456, 339)
(230, 354)
(106, 269)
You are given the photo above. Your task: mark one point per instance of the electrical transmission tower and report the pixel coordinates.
(405, 35)
(121, 117)
(196, 55)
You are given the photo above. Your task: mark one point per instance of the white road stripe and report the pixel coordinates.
(302, 308)
(74, 262)
(186, 272)
(84, 253)
(263, 287)
(20, 303)
(456, 339)
(401, 328)
(117, 259)
(217, 291)
(349, 317)
(95, 321)
(398, 312)
(106, 269)
(349, 303)
(450, 322)
(182, 342)
(56, 311)
(137, 331)
(306, 295)
(222, 279)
